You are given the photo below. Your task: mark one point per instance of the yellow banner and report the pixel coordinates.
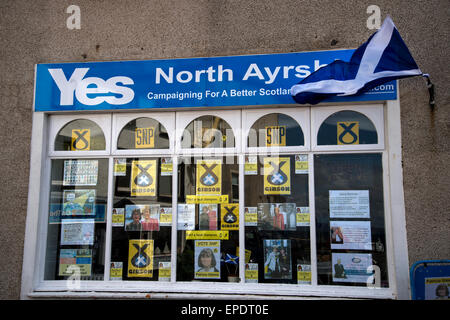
(276, 136)
(348, 132)
(209, 178)
(193, 199)
(277, 173)
(81, 140)
(229, 216)
(206, 235)
(140, 258)
(144, 138)
(143, 178)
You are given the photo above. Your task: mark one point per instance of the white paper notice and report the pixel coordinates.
(349, 204)
(354, 235)
(186, 217)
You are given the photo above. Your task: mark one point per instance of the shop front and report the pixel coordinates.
(201, 178)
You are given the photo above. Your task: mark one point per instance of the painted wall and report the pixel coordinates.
(36, 32)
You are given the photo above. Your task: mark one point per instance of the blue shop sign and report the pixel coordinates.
(250, 80)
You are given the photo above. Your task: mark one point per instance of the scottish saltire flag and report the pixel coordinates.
(384, 57)
(231, 259)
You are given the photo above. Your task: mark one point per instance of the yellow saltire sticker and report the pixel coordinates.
(276, 136)
(277, 175)
(348, 132)
(229, 216)
(81, 140)
(144, 138)
(143, 178)
(140, 258)
(209, 178)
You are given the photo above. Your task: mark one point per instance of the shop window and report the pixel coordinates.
(208, 132)
(142, 219)
(350, 223)
(208, 220)
(277, 223)
(77, 219)
(275, 130)
(143, 133)
(347, 128)
(80, 135)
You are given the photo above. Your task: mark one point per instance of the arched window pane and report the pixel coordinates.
(275, 130)
(347, 128)
(80, 135)
(208, 132)
(143, 133)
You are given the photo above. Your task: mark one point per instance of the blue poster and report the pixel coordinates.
(248, 80)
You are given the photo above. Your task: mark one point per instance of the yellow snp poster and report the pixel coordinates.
(229, 216)
(144, 138)
(347, 132)
(81, 140)
(209, 178)
(143, 178)
(276, 136)
(277, 175)
(140, 258)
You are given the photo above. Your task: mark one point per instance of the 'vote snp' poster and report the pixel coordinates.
(209, 177)
(277, 173)
(143, 178)
(140, 258)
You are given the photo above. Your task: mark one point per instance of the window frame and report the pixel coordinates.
(42, 153)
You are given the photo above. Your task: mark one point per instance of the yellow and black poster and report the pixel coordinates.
(276, 136)
(229, 216)
(348, 132)
(140, 258)
(143, 178)
(209, 178)
(277, 175)
(81, 140)
(144, 138)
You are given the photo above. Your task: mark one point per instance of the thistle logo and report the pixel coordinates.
(92, 91)
(140, 259)
(277, 173)
(209, 178)
(229, 216)
(143, 179)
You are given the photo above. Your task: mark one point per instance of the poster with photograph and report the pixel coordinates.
(277, 175)
(142, 217)
(349, 204)
(277, 259)
(79, 202)
(277, 216)
(116, 270)
(80, 172)
(186, 216)
(251, 273)
(77, 232)
(251, 165)
(437, 288)
(118, 217)
(164, 271)
(303, 216)
(120, 167)
(304, 274)
(207, 217)
(207, 259)
(75, 261)
(165, 216)
(353, 235)
(251, 216)
(143, 178)
(229, 216)
(166, 166)
(140, 258)
(351, 267)
(301, 164)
